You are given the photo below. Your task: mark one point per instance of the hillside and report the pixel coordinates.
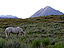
(47, 28)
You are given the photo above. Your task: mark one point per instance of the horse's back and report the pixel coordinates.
(9, 29)
(19, 29)
(14, 30)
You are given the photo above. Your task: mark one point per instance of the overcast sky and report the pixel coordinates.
(26, 8)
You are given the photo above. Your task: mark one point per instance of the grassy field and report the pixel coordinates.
(41, 32)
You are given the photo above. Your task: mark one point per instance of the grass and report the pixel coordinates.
(51, 27)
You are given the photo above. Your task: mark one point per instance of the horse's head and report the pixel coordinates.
(23, 33)
(21, 30)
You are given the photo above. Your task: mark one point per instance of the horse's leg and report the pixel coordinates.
(19, 34)
(8, 34)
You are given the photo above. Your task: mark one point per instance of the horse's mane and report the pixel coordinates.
(17, 27)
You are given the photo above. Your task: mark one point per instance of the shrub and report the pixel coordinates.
(31, 32)
(13, 44)
(51, 46)
(36, 43)
(57, 45)
(45, 20)
(2, 43)
(23, 38)
(45, 42)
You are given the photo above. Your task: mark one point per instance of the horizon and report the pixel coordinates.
(26, 8)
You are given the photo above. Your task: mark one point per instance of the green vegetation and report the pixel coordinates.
(41, 32)
(36, 43)
(45, 42)
(2, 43)
(57, 45)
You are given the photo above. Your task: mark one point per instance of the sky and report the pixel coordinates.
(26, 8)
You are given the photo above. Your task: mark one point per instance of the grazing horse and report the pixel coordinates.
(13, 30)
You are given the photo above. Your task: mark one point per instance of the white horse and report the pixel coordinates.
(13, 30)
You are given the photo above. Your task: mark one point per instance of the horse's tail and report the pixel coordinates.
(6, 33)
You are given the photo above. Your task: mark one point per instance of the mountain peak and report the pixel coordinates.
(47, 7)
(47, 11)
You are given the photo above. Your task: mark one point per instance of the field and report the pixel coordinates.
(40, 32)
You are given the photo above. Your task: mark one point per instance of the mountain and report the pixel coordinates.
(7, 16)
(46, 11)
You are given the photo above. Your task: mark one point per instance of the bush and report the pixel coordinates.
(51, 46)
(57, 45)
(2, 43)
(13, 44)
(36, 43)
(31, 32)
(23, 38)
(45, 42)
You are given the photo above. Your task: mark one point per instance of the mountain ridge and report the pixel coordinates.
(7, 16)
(47, 11)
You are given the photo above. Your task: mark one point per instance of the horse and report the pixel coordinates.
(13, 30)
